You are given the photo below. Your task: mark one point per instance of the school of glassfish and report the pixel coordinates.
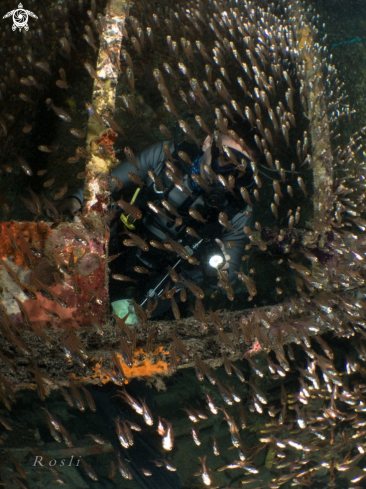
(261, 54)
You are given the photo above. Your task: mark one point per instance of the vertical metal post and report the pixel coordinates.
(322, 159)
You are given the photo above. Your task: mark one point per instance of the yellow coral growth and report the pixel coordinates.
(306, 40)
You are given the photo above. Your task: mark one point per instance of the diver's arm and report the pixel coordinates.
(151, 158)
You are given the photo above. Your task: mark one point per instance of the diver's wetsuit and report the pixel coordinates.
(156, 227)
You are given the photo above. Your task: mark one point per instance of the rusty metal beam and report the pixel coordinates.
(156, 363)
(316, 112)
(103, 101)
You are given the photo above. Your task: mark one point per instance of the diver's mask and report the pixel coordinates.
(229, 167)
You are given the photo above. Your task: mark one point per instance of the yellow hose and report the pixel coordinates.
(126, 218)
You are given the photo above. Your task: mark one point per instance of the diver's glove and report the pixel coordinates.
(122, 308)
(70, 205)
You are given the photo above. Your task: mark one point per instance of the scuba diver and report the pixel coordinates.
(191, 197)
